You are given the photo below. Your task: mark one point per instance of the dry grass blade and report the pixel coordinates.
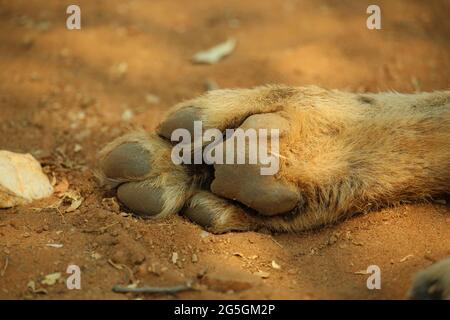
(2, 273)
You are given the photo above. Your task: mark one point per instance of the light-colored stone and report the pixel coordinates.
(21, 179)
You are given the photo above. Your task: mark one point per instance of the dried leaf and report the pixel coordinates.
(74, 205)
(216, 53)
(51, 278)
(74, 198)
(32, 287)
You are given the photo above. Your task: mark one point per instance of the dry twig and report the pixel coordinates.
(2, 273)
(168, 290)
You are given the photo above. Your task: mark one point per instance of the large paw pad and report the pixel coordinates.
(432, 283)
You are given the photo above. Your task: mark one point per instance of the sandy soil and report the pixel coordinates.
(64, 94)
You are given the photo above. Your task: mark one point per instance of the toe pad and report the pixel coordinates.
(128, 160)
(141, 198)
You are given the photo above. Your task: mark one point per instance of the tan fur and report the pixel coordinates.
(346, 153)
(351, 153)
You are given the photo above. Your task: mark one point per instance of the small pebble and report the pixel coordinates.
(174, 257)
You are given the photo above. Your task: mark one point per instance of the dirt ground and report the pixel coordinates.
(64, 94)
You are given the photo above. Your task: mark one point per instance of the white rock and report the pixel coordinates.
(21, 179)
